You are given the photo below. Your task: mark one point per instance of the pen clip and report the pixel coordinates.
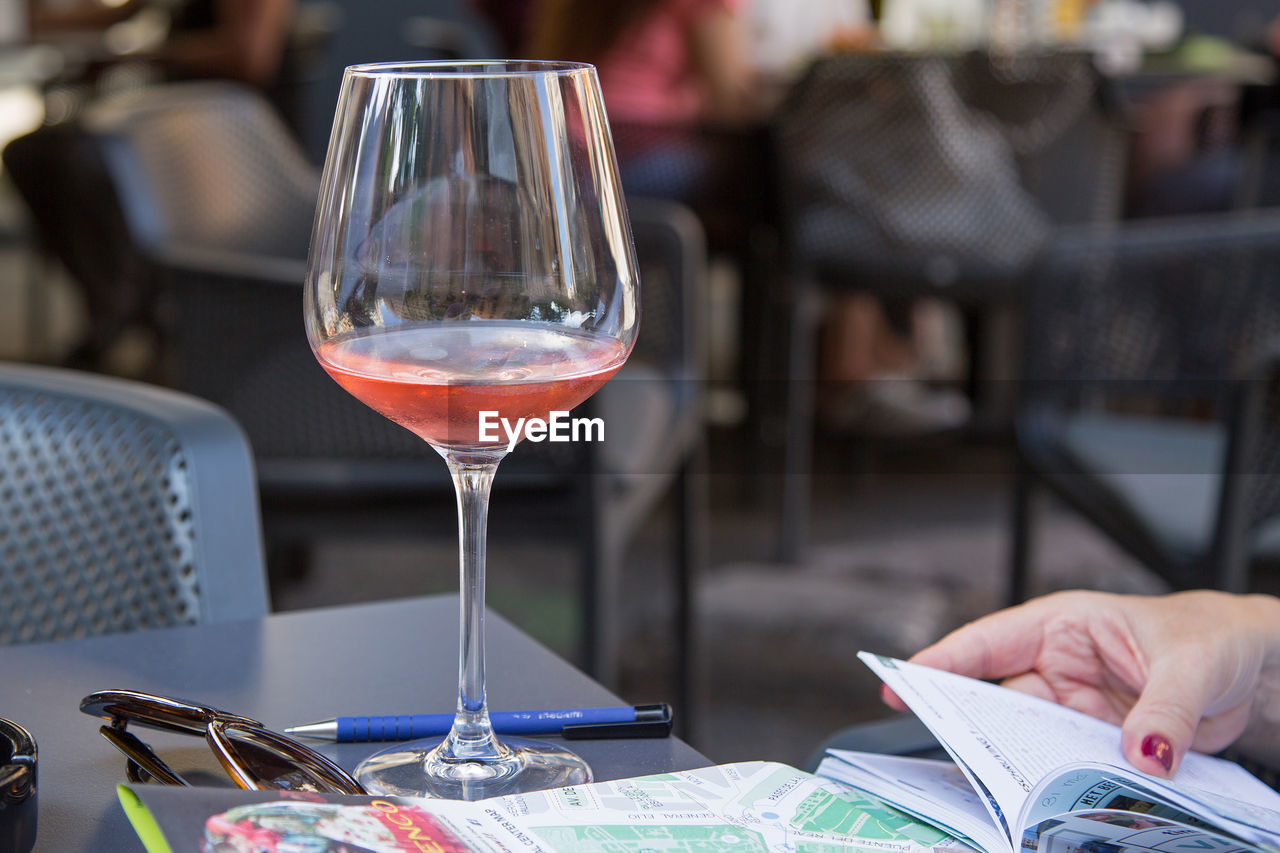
(651, 721)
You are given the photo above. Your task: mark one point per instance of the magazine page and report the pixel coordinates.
(1011, 741)
(752, 807)
(1243, 817)
(1085, 787)
(1123, 832)
(933, 790)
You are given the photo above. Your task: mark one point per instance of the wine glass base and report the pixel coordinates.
(417, 770)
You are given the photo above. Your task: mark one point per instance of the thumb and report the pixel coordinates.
(1162, 724)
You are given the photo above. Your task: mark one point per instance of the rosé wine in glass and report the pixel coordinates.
(436, 378)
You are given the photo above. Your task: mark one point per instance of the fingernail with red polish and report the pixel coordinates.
(1159, 748)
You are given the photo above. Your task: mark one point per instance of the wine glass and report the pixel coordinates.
(471, 258)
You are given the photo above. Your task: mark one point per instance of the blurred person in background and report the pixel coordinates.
(671, 72)
(241, 40)
(879, 360)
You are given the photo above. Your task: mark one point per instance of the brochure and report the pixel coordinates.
(750, 807)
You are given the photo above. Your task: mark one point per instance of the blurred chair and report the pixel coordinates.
(122, 506)
(316, 24)
(1259, 178)
(923, 176)
(654, 408)
(76, 221)
(1066, 125)
(219, 199)
(1147, 401)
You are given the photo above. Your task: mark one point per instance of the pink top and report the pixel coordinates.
(651, 75)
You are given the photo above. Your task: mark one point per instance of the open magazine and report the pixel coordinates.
(1032, 775)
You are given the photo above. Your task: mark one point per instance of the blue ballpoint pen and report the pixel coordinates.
(626, 721)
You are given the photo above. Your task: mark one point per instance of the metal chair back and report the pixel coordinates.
(122, 506)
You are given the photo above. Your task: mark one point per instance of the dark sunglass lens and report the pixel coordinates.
(274, 761)
(267, 766)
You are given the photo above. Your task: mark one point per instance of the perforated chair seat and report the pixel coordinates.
(121, 507)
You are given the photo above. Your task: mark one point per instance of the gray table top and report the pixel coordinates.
(384, 658)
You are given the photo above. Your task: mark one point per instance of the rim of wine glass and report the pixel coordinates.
(469, 68)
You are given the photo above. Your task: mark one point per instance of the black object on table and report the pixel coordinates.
(18, 788)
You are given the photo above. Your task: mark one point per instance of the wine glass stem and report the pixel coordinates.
(471, 738)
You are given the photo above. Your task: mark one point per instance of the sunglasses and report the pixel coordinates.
(252, 755)
(17, 788)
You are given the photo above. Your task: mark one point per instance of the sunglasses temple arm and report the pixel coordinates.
(141, 757)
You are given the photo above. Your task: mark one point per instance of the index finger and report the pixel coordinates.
(999, 645)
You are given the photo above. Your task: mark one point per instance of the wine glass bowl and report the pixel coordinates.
(471, 259)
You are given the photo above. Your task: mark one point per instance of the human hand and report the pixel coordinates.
(1192, 670)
